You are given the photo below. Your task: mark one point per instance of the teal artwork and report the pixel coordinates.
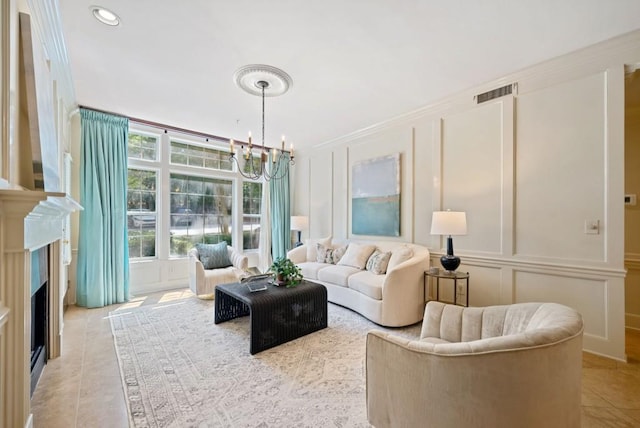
(375, 196)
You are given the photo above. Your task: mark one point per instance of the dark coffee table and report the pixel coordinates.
(278, 314)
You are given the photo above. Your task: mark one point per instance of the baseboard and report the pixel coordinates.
(632, 321)
(153, 288)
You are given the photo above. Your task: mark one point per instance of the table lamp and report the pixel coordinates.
(449, 223)
(299, 223)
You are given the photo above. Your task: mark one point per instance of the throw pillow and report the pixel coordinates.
(214, 256)
(357, 255)
(328, 254)
(399, 255)
(377, 263)
(338, 253)
(312, 252)
(324, 254)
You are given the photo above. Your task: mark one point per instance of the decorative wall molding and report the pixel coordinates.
(586, 270)
(632, 261)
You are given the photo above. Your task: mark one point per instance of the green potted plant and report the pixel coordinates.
(286, 272)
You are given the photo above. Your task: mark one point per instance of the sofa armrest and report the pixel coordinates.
(298, 254)
(238, 259)
(403, 292)
(196, 270)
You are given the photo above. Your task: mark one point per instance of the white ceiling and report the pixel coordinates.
(354, 63)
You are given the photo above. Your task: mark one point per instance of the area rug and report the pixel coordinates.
(179, 369)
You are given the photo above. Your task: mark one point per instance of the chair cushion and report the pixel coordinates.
(214, 256)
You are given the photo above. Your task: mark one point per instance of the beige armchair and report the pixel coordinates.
(203, 281)
(516, 365)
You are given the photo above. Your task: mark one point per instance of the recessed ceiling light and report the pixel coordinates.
(105, 15)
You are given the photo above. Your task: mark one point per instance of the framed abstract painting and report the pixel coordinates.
(375, 196)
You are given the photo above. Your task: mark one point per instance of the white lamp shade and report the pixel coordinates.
(449, 223)
(299, 222)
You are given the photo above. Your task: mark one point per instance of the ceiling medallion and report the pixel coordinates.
(248, 79)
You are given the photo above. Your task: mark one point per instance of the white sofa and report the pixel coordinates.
(393, 299)
(506, 366)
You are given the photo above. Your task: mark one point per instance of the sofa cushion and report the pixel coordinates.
(357, 255)
(312, 252)
(367, 283)
(310, 269)
(214, 256)
(399, 255)
(378, 261)
(336, 274)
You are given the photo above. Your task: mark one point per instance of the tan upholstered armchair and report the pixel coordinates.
(203, 281)
(516, 365)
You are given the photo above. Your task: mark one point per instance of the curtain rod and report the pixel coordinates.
(176, 129)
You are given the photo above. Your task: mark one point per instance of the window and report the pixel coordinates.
(142, 146)
(141, 213)
(200, 211)
(187, 154)
(182, 193)
(251, 208)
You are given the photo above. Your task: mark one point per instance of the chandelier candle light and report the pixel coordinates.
(262, 80)
(449, 223)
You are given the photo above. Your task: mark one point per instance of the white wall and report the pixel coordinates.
(529, 169)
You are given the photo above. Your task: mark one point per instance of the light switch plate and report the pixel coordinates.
(592, 227)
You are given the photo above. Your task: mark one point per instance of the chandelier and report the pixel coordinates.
(262, 80)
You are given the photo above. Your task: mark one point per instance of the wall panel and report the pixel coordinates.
(340, 219)
(560, 170)
(472, 144)
(321, 194)
(587, 296)
(424, 136)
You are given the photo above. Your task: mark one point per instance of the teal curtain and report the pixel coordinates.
(280, 212)
(103, 250)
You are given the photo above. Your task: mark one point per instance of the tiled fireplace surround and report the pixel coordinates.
(29, 220)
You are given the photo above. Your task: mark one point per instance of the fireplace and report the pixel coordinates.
(31, 228)
(39, 313)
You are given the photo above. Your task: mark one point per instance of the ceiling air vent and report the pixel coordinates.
(494, 93)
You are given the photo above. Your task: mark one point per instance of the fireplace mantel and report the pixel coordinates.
(28, 220)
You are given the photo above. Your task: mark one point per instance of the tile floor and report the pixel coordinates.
(82, 387)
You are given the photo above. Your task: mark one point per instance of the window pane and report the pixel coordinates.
(201, 211)
(192, 155)
(142, 146)
(141, 213)
(251, 200)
